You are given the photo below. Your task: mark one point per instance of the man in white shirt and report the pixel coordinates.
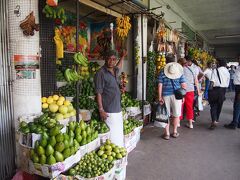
(220, 78)
(236, 106)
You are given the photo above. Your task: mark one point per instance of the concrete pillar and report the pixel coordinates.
(139, 40)
(25, 57)
(24, 50)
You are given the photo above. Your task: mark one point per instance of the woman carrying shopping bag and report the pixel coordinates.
(171, 85)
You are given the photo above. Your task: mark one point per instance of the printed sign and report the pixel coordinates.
(25, 66)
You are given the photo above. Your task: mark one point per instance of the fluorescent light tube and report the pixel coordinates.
(227, 36)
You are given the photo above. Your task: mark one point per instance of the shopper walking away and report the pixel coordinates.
(199, 72)
(198, 98)
(231, 84)
(207, 73)
(220, 78)
(170, 80)
(191, 74)
(108, 96)
(236, 106)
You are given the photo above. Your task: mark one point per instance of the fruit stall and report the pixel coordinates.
(165, 41)
(67, 139)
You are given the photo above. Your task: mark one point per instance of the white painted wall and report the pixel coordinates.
(173, 14)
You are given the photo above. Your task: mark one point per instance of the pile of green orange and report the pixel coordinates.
(111, 151)
(99, 126)
(130, 124)
(91, 165)
(40, 125)
(97, 163)
(128, 101)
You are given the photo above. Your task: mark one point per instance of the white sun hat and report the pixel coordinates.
(173, 70)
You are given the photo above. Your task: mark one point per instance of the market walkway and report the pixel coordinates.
(198, 154)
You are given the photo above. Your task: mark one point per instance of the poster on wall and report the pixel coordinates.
(68, 35)
(97, 30)
(102, 39)
(26, 66)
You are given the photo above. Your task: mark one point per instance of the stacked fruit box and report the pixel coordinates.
(131, 139)
(51, 171)
(133, 111)
(147, 109)
(103, 137)
(100, 164)
(53, 147)
(28, 139)
(54, 170)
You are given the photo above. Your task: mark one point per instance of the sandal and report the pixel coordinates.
(165, 136)
(189, 126)
(175, 135)
(213, 126)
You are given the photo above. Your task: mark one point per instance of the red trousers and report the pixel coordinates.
(187, 106)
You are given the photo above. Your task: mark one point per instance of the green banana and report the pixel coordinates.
(72, 75)
(82, 59)
(75, 58)
(79, 57)
(48, 9)
(54, 14)
(75, 76)
(67, 75)
(59, 14)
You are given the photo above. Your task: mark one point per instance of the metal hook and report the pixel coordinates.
(17, 11)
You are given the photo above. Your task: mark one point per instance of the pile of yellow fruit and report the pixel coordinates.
(123, 26)
(160, 63)
(84, 71)
(59, 105)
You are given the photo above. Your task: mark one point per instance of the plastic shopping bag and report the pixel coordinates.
(161, 116)
(200, 103)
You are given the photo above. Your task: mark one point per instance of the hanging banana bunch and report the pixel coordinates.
(123, 26)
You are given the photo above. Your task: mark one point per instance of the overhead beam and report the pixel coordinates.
(217, 26)
(100, 8)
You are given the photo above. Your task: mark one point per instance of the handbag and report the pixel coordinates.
(211, 84)
(200, 104)
(161, 118)
(179, 93)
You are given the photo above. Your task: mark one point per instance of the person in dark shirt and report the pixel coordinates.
(236, 106)
(108, 95)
